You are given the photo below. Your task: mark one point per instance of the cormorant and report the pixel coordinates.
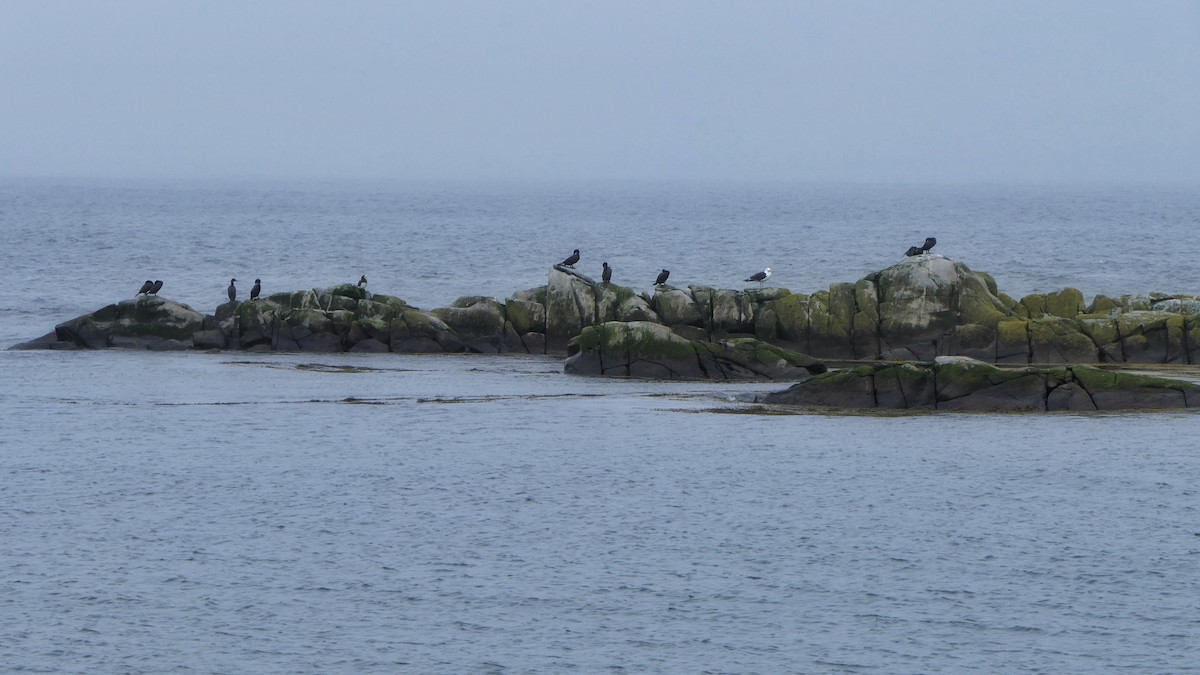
(606, 275)
(760, 276)
(362, 281)
(571, 259)
(145, 289)
(156, 287)
(232, 290)
(662, 277)
(930, 242)
(256, 290)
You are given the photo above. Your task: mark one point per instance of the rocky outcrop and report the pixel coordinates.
(961, 383)
(651, 350)
(917, 309)
(148, 322)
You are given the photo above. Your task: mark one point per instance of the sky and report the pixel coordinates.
(850, 91)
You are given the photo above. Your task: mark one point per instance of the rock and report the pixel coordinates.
(651, 350)
(369, 346)
(208, 339)
(47, 341)
(1057, 340)
(570, 305)
(853, 388)
(677, 306)
(960, 383)
(1069, 397)
(148, 319)
(475, 319)
(1126, 391)
(524, 315)
(921, 301)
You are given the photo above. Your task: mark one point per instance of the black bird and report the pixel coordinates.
(930, 242)
(606, 275)
(760, 277)
(662, 277)
(146, 287)
(232, 290)
(362, 281)
(256, 290)
(156, 287)
(571, 259)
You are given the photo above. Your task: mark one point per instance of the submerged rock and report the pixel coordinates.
(961, 383)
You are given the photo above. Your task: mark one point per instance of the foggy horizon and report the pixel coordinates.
(770, 92)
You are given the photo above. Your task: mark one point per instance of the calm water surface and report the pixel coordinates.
(390, 513)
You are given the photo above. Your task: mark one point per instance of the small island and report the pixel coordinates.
(925, 333)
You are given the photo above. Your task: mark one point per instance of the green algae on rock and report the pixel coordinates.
(961, 383)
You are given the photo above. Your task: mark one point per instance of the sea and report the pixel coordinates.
(396, 513)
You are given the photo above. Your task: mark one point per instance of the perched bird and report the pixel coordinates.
(662, 277)
(760, 276)
(145, 289)
(256, 290)
(156, 287)
(571, 259)
(232, 290)
(930, 242)
(362, 281)
(606, 275)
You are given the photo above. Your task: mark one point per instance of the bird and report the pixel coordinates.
(571, 259)
(662, 277)
(156, 287)
(145, 289)
(362, 281)
(606, 275)
(930, 242)
(232, 290)
(760, 276)
(256, 290)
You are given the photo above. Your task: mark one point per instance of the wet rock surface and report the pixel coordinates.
(965, 384)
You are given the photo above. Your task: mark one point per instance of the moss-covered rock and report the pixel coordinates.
(151, 319)
(473, 317)
(525, 315)
(1054, 339)
(570, 305)
(651, 350)
(959, 383)
(677, 306)
(1012, 342)
(922, 300)
(1102, 304)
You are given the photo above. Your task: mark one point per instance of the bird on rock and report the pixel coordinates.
(606, 275)
(662, 277)
(156, 287)
(930, 242)
(232, 290)
(362, 281)
(256, 290)
(571, 259)
(145, 289)
(760, 277)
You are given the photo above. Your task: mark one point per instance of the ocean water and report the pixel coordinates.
(222, 513)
